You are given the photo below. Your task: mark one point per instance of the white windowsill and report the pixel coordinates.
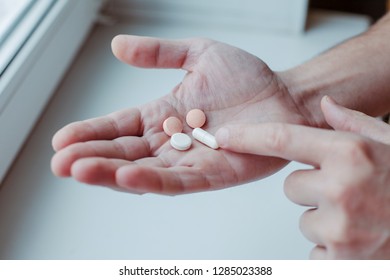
(29, 81)
(280, 16)
(25, 22)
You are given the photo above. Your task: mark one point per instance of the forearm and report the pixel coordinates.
(355, 73)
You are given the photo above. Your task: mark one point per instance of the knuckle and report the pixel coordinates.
(356, 173)
(347, 199)
(350, 234)
(342, 239)
(277, 138)
(343, 233)
(134, 53)
(352, 242)
(356, 152)
(339, 193)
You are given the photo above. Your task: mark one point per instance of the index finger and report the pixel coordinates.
(292, 142)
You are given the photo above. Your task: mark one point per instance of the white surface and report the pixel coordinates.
(43, 217)
(277, 15)
(24, 23)
(10, 13)
(34, 73)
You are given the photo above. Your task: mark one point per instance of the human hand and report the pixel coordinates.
(348, 188)
(129, 150)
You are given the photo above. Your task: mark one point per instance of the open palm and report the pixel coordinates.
(128, 149)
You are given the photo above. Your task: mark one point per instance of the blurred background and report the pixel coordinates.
(373, 8)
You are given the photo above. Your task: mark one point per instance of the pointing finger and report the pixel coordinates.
(291, 142)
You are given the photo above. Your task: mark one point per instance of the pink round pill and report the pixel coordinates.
(196, 118)
(172, 125)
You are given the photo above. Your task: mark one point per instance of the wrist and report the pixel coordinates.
(305, 95)
(354, 73)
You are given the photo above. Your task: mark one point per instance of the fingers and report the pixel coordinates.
(313, 225)
(97, 171)
(304, 187)
(157, 53)
(300, 143)
(102, 163)
(126, 148)
(169, 181)
(126, 122)
(341, 118)
(291, 142)
(139, 178)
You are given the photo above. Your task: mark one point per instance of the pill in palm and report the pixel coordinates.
(205, 138)
(181, 141)
(172, 125)
(196, 118)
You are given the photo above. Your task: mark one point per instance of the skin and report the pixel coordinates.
(262, 119)
(347, 189)
(129, 151)
(355, 73)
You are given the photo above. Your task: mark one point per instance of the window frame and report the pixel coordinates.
(31, 78)
(20, 28)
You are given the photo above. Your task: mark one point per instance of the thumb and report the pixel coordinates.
(149, 52)
(341, 118)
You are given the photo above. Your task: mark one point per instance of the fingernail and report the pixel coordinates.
(330, 100)
(222, 137)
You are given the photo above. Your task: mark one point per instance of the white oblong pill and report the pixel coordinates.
(205, 138)
(181, 141)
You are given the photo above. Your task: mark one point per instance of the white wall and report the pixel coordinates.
(277, 15)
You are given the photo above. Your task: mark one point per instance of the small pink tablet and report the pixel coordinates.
(196, 118)
(172, 125)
